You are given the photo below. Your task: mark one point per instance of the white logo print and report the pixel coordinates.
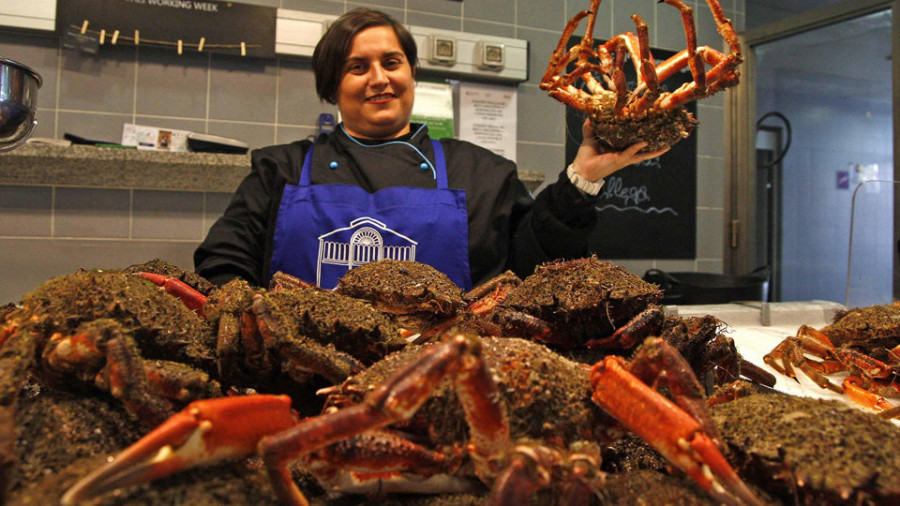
(365, 240)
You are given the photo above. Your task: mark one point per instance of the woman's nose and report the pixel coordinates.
(378, 75)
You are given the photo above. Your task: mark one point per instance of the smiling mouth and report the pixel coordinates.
(380, 98)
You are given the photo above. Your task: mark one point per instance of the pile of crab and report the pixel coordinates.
(397, 384)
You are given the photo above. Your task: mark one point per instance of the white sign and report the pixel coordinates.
(487, 117)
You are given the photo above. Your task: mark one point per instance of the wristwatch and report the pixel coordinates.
(586, 187)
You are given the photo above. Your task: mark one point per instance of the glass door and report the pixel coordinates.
(822, 105)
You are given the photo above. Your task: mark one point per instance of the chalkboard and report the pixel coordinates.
(647, 210)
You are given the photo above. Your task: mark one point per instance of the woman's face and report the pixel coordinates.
(377, 89)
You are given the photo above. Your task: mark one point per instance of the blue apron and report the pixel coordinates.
(324, 230)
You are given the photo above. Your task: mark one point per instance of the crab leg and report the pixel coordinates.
(193, 299)
(869, 397)
(690, 32)
(203, 433)
(398, 398)
(678, 436)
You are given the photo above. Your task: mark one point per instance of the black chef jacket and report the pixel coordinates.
(508, 228)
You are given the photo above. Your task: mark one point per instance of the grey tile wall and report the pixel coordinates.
(52, 230)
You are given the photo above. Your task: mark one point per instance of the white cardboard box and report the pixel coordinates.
(153, 138)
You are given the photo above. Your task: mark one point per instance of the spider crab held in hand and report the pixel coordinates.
(864, 342)
(621, 117)
(504, 411)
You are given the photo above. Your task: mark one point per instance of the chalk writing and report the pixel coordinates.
(614, 189)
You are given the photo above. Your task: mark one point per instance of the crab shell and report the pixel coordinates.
(584, 298)
(660, 128)
(548, 396)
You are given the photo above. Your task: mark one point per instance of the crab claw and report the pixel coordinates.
(674, 433)
(204, 433)
(191, 298)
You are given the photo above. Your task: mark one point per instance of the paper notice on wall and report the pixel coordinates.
(487, 117)
(434, 107)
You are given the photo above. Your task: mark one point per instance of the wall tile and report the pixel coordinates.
(669, 28)
(443, 7)
(486, 27)
(710, 182)
(500, 11)
(91, 212)
(242, 89)
(288, 134)
(168, 86)
(393, 8)
(214, 205)
(82, 78)
(541, 45)
(603, 21)
(298, 103)
(540, 118)
(25, 210)
(321, 6)
(547, 158)
(711, 131)
(540, 14)
(440, 22)
(94, 126)
(30, 262)
(256, 135)
(710, 238)
(622, 12)
(167, 215)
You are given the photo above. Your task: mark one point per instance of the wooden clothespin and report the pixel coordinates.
(179, 47)
(102, 36)
(243, 48)
(137, 37)
(200, 45)
(84, 27)
(115, 37)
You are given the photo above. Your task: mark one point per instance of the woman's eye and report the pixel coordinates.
(356, 68)
(391, 64)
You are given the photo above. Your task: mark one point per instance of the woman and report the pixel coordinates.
(378, 186)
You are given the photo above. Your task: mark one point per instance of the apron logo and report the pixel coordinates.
(365, 240)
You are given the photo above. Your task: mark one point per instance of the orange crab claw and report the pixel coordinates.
(193, 299)
(204, 433)
(673, 432)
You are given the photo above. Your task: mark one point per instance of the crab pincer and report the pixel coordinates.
(682, 433)
(205, 432)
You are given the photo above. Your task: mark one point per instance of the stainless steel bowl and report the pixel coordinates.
(18, 100)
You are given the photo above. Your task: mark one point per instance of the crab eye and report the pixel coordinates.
(404, 271)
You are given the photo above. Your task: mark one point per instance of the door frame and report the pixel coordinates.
(740, 120)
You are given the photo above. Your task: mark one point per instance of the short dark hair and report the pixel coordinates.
(331, 51)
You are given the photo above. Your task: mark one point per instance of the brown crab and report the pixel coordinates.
(506, 412)
(864, 342)
(296, 331)
(808, 451)
(621, 117)
(423, 300)
(582, 303)
(105, 329)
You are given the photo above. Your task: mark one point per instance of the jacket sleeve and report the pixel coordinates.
(556, 225)
(237, 244)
